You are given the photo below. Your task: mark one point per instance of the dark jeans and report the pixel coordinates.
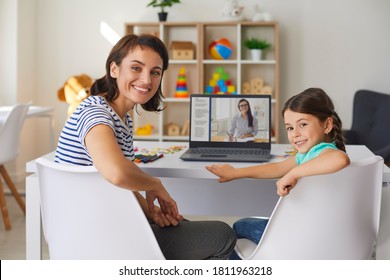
(249, 228)
(196, 240)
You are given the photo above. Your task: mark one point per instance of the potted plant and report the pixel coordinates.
(256, 47)
(162, 15)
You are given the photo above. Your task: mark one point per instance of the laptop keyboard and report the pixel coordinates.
(218, 151)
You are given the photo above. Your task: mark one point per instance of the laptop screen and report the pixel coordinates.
(242, 121)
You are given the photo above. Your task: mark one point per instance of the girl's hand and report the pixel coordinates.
(223, 171)
(285, 184)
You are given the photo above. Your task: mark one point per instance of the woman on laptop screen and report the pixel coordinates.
(244, 125)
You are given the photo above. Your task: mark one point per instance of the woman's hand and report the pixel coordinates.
(167, 204)
(163, 220)
(285, 184)
(223, 171)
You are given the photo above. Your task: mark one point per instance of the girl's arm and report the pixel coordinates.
(109, 160)
(328, 161)
(226, 172)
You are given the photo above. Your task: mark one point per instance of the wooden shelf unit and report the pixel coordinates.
(199, 70)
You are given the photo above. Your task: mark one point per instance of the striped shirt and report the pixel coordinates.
(93, 111)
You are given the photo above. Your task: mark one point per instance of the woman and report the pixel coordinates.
(100, 133)
(243, 125)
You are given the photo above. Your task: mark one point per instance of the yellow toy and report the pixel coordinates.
(74, 91)
(144, 130)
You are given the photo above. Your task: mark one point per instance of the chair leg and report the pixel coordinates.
(4, 210)
(13, 189)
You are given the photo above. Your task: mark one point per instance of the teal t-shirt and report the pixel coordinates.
(313, 152)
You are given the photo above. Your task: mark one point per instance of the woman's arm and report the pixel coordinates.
(226, 172)
(109, 160)
(328, 161)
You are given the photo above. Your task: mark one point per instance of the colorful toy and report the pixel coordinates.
(74, 91)
(220, 49)
(144, 130)
(181, 84)
(220, 83)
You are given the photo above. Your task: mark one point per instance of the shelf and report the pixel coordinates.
(199, 70)
(174, 99)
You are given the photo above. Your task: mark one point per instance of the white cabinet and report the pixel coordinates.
(239, 67)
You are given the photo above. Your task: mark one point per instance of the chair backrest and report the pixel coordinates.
(86, 217)
(332, 216)
(371, 119)
(10, 132)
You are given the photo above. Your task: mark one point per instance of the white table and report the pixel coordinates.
(34, 112)
(196, 190)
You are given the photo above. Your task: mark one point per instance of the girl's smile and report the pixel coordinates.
(304, 131)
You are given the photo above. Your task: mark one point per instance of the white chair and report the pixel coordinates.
(383, 244)
(86, 217)
(333, 216)
(9, 149)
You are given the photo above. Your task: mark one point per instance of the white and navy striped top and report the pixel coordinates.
(92, 111)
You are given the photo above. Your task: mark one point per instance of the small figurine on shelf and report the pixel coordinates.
(144, 130)
(232, 10)
(220, 83)
(181, 84)
(172, 129)
(182, 50)
(256, 86)
(260, 15)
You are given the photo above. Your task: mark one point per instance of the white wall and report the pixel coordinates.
(8, 41)
(338, 45)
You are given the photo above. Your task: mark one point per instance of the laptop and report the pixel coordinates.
(217, 128)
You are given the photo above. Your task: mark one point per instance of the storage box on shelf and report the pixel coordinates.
(243, 73)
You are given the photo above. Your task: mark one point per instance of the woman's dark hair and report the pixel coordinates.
(250, 116)
(316, 102)
(107, 86)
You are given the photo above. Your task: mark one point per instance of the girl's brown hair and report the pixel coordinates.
(316, 102)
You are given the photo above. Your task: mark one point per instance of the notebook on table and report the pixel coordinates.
(213, 135)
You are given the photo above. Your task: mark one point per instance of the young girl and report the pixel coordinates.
(100, 133)
(314, 130)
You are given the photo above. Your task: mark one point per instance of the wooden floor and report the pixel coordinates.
(13, 242)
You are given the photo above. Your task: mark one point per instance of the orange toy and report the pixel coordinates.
(74, 91)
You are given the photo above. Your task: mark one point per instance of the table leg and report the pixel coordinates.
(33, 219)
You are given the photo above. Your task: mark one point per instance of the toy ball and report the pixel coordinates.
(220, 49)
